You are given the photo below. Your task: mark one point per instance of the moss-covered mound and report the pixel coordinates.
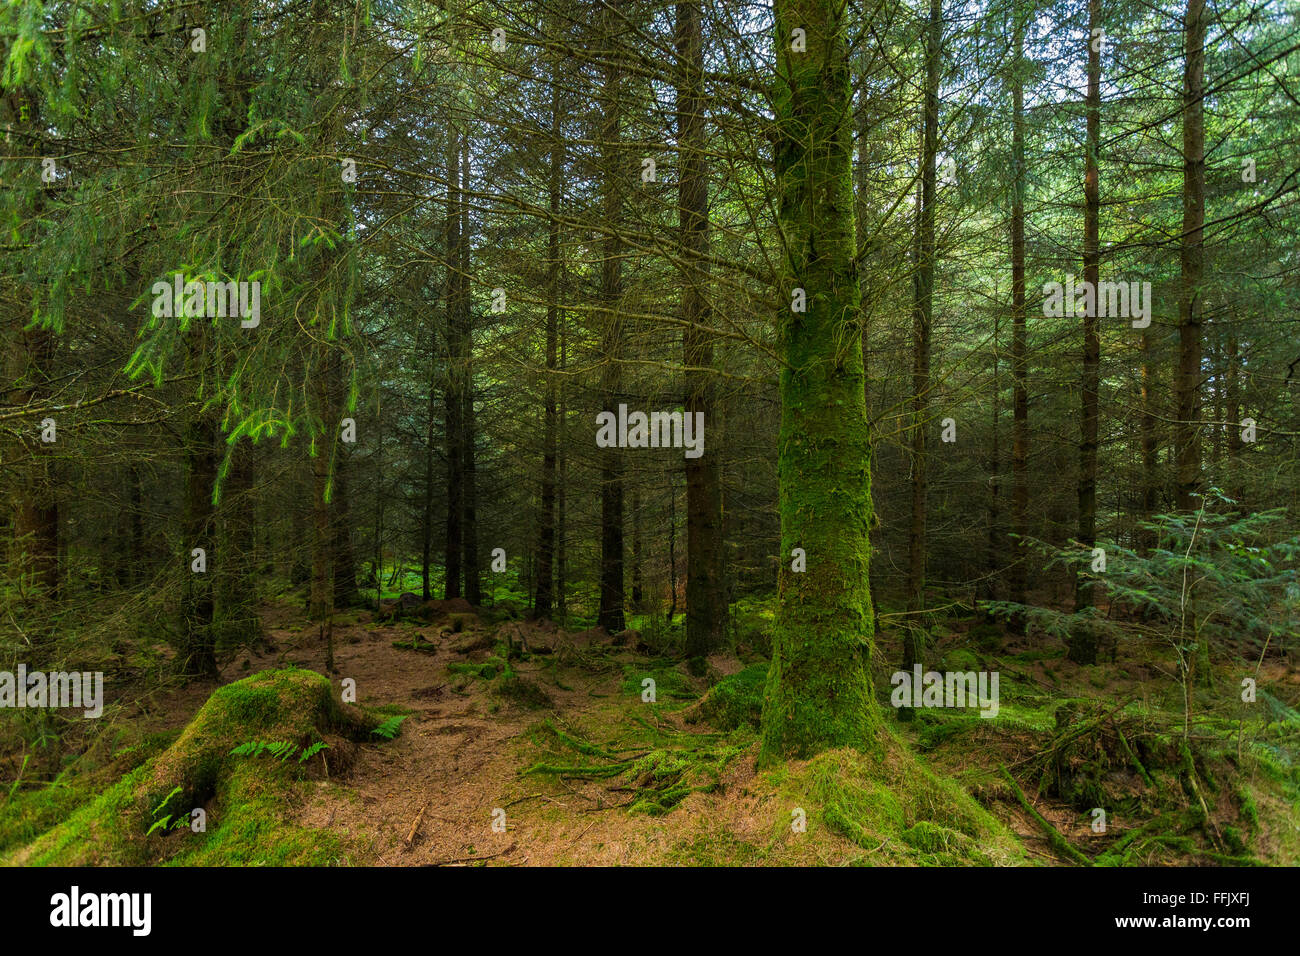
(247, 801)
(888, 802)
(735, 701)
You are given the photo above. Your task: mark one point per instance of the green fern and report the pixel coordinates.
(255, 748)
(165, 800)
(281, 749)
(388, 729)
(163, 822)
(312, 751)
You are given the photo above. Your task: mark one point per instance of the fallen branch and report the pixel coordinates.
(415, 827)
(470, 859)
(1054, 836)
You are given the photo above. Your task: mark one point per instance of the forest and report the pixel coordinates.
(608, 432)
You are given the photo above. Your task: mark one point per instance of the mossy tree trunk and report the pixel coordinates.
(922, 322)
(819, 691)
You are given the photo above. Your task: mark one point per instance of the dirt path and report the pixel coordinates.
(459, 756)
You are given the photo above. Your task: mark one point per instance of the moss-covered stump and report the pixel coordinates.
(145, 818)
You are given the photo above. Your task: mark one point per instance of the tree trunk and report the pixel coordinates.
(561, 505)
(139, 571)
(345, 565)
(427, 509)
(1150, 447)
(1018, 578)
(544, 593)
(993, 552)
(454, 417)
(469, 430)
(706, 599)
(1187, 430)
(1083, 650)
(236, 612)
(922, 316)
(321, 605)
(819, 692)
(611, 468)
(637, 593)
(198, 653)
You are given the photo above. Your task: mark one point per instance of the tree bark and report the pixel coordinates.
(706, 599)
(994, 549)
(1091, 341)
(321, 605)
(198, 652)
(1018, 578)
(236, 613)
(345, 565)
(454, 417)
(544, 592)
(1187, 429)
(819, 692)
(611, 471)
(922, 316)
(469, 429)
(1150, 446)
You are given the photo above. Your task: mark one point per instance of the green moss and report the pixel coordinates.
(487, 670)
(890, 802)
(522, 691)
(248, 802)
(255, 829)
(960, 659)
(941, 846)
(663, 778)
(98, 833)
(670, 683)
(26, 814)
(736, 701)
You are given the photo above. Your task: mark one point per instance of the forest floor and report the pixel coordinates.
(524, 744)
